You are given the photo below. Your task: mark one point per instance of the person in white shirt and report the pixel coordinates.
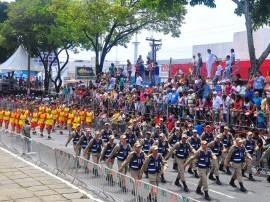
(232, 60)
(218, 72)
(138, 81)
(209, 62)
(227, 73)
(195, 64)
(217, 104)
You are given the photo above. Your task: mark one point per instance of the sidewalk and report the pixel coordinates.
(22, 182)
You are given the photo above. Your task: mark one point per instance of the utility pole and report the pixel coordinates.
(155, 47)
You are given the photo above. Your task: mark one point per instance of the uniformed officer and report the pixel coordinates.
(106, 132)
(135, 161)
(155, 165)
(236, 155)
(156, 132)
(121, 152)
(217, 148)
(173, 139)
(182, 150)
(136, 130)
(250, 145)
(195, 142)
(163, 149)
(227, 140)
(76, 136)
(147, 143)
(131, 138)
(163, 127)
(207, 135)
(107, 150)
(261, 160)
(203, 156)
(189, 131)
(84, 141)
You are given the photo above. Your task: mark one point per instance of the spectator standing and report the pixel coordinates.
(26, 132)
(227, 73)
(129, 69)
(156, 72)
(259, 82)
(232, 60)
(218, 72)
(199, 65)
(209, 63)
(195, 65)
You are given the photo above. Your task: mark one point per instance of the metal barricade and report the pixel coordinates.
(6, 137)
(47, 157)
(18, 143)
(151, 193)
(66, 163)
(118, 185)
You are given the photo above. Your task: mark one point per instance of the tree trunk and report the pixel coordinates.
(102, 59)
(251, 49)
(46, 82)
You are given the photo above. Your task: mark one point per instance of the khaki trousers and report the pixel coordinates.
(203, 178)
(154, 178)
(237, 175)
(181, 170)
(223, 157)
(134, 174)
(119, 164)
(215, 166)
(95, 157)
(248, 165)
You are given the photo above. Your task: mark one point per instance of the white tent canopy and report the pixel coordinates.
(19, 62)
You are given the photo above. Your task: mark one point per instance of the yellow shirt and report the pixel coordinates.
(82, 115)
(22, 119)
(12, 117)
(42, 118)
(89, 117)
(70, 117)
(34, 117)
(49, 119)
(1, 114)
(6, 115)
(76, 120)
(61, 116)
(54, 113)
(115, 117)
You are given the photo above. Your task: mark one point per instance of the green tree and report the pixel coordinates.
(108, 23)
(35, 25)
(257, 15)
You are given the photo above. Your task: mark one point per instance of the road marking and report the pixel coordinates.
(54, 176)
(211, 190)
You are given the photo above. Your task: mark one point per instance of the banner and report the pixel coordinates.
(85, 73)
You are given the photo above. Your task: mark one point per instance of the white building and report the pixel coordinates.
(239, 44)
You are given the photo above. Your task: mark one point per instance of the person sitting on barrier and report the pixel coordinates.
(265, 153)
(83, 142)
(236, 155)
(121, 152)
(217, 148)
(156, 165)
(182, 150)
(251, 147)
(131, 138)
(203, 156)
(75, 135)
(106, 133)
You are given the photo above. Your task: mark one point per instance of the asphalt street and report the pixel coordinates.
(258, 191)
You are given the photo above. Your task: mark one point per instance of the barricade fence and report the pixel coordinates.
(106, 181)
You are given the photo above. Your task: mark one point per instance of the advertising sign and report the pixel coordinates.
(85, 73)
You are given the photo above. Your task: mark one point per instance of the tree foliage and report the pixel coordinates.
(35, 25)
(108, 23)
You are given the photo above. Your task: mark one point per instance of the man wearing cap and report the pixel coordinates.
(227, 140)
(83, 142)
(195, 142)
(182, 150)
(106, 132)
(135, 161)
(147, 142)
(173, 139)
(203, 156)
(131, 138)
(217, 148)
(236, 155)
(121, 152)
(163, 149)
(250, 146)
(207, 135)
(156, 132)
(95, 146)
(163, 127)
(263, 156)
(136, 129)
(107, 150)
(189, 131)
(75, 135)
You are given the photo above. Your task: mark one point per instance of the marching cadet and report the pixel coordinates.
(89, 118)
(49, 123)
(189, 131)
(147, 143)
(207, 135)
(61, 119)
(163, 128)
(156, 132)
(6, 118)
(173, 139)
(131, 138)
(136, 129)
(121, 152)
(155, 165)
(83, 142)
(227, 140)
(237, 154)
(106, 132)
(195, 142)
(13, 120)
(163, 149)
(107, 150)
(182, 150)
(250, 145)
(34, 121)
(41, 121)
(217, 148)
(203, 156)
(263, 156)
(135, 160)
(75, 135)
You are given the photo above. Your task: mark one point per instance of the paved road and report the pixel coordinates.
(22, 182)
(257, 191)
